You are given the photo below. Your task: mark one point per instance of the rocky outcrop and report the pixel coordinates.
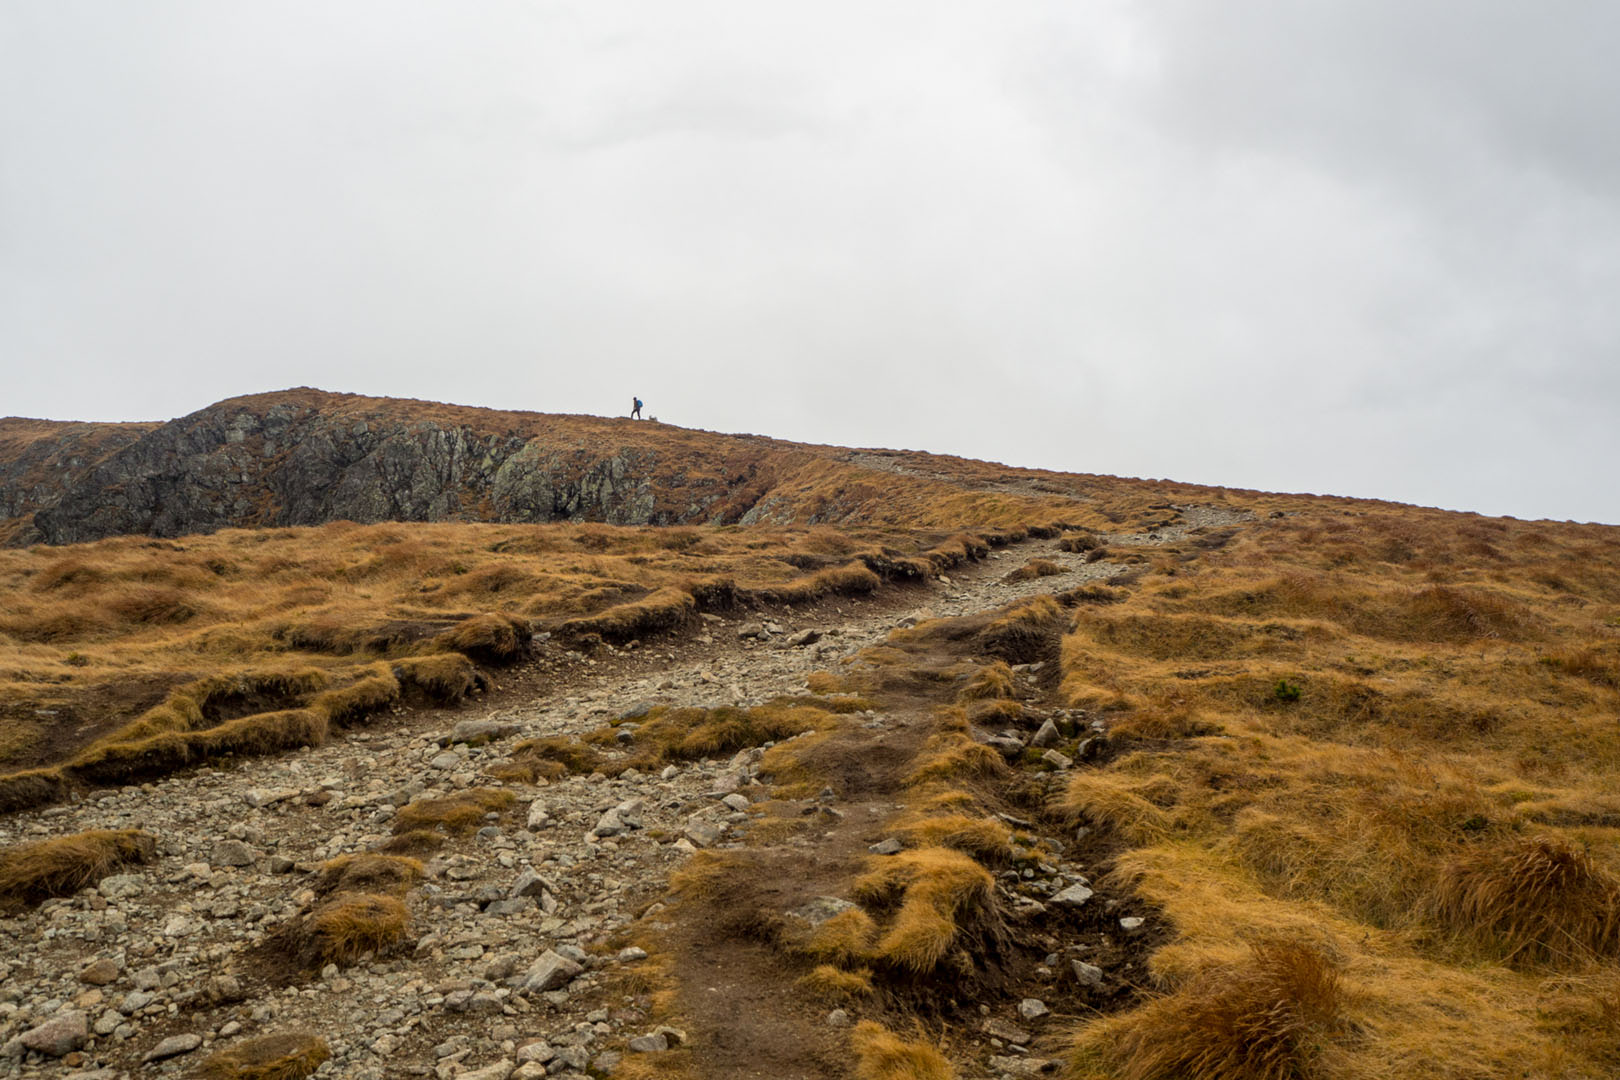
(304, 458)
(307, 457)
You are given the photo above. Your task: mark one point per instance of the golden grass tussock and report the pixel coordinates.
(853, 579)
(845, 938)
(1262, 1017)
(709, 875)
(444, 677)
(952, 755)
(882, 1055)
(374, 691)
(1128, 805)
(829, 983)
(1026, 631)
(367, 873)
(662, 611)
(62, 865)
(991, 681)
(157, 755)
(548, 758)
(453, 813)
(986, 839)
(342, 930)
(494, 638)
(1034, 568)
(935, 891)
(1539, 900)
(288, 1055)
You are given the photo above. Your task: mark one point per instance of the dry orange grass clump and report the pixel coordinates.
(62, 865)
(343, 930)
(284, 1056)
(882, 1055)
(936, 894)
(1263, 1017)
(1539, 900)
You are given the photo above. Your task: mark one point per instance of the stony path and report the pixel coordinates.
(157, 958)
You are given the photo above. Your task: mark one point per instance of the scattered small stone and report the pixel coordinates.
(1000, 1029)
(100, 973)
(1032, 1008)
(891, 846)
(550, 972)
(701, 833)
(58, 1036)
(174, 1046)
(1088, 974)
(838, 1018)
(649, 1044)
(1131, 923)
(233, 853)
(1048, 735)
(1057, 760)
(1073, 896)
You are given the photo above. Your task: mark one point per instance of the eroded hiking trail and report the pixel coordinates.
(543, 937)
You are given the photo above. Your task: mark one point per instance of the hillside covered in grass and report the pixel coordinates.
(1231, 786)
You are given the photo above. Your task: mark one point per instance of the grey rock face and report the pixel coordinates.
(213, 470)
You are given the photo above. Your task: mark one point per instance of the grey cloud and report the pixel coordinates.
(1358, 247)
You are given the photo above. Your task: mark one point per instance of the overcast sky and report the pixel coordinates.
(1362, 247)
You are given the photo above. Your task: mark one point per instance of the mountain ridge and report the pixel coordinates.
(306, 457)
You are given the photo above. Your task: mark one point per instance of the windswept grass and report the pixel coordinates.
(290, 1055)
(936, 894)
(62, 865)
(342, 930)
(882, 1055)
(1262, 1017)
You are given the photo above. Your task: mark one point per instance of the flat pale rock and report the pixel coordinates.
(891, 846)
(60, 1035)
(500, 1070)
(1073, 896)
(174, 1046)
(1032, 1008)
(649, 1044)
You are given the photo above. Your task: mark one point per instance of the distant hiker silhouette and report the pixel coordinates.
(635, 413)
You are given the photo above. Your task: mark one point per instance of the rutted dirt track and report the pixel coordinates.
(238, 844)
